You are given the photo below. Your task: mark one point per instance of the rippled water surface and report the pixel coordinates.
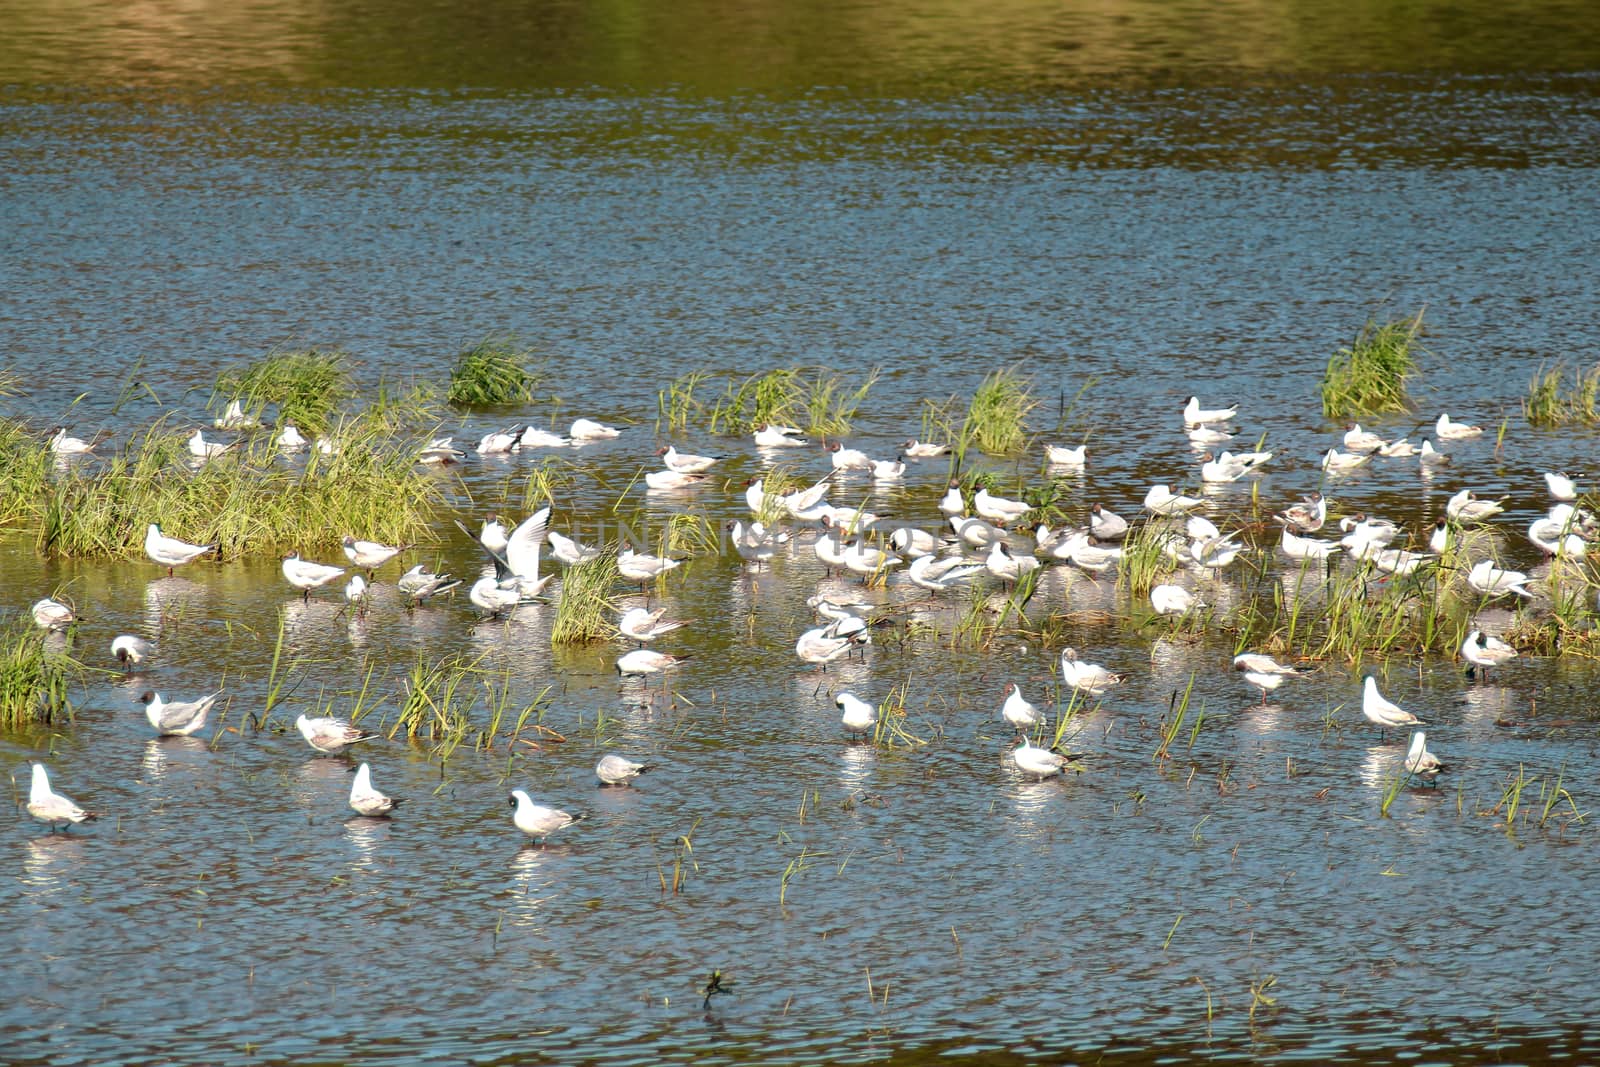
(1133, 203)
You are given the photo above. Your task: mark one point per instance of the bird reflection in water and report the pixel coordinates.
(48, 863)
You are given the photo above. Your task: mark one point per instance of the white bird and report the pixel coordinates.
(589, 430)
(643, 661)
(1106, 525)
(1429, 456)
(200, 448)
(1418, 759)
(1058, 544)
(1038, 762)
(911, 542)
(666, 481)
(754, 543)
(825, 644)
(1089, 678)
(1062, 456)
(569, 552)
(1296, 547)
(355, 593)
(1200, 528)
(1445, 430)
(807, 505)
(1219, 470)
(536, 820)
(771, 436)
(1095, 559)
(169, 551)
(496, 596)
(234, 418)
(848, 459)
(1202, 436)
(1562, 487)
(178, 718)
(290, 439)
(1439, 539)
(522, 553)
(1358, 440)
(1397, 560)
(1161, 500)
(1335, 461)
(1262, 671)
(440, 451)
(914, 449)
(50, 807)
(533, 437)
(52, 614)
(974, 531)
(1482, 651)
(62, 445)
(325, 446)
(1006, 567)
(1383, 712)
(1553, 536)
(1397, 449)
(418, 584)
(1173, 600)
(493, 535)
(129, 650)
(859, 717)
(684, 463)
(369, 555)
(889, 470)
(329, 735)
(952, 503)
(935, 574)
(1490, 580)
(1194, 414)
(641, 567)
(642, 624)
(365, 798)
(1465, 507)
(998, 509)
(1017, 710)
(306, 575)
(1308, 517)
(500, 442)
(618, 770)
(861, 558)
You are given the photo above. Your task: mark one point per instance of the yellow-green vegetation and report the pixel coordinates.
(309, 387)
(1369, 377)
(585, 609)
(496, 370)
(34, 678)
(25, 463)
(1550, 403)
(816, 400)
(997, 418)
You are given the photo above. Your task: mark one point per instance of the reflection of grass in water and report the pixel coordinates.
(34, 680)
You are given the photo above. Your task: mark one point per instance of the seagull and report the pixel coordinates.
(1396, 449)
(536, 820)
(50, 807)
(859, 717)
(290, 439)
(684, 463)
(1490, 580)
(1006, 567)
(493, 535)
(642, 624)
(1163, 501)
(1439, 539)
(998, 509)
(1482, 652)
(235, 418)
(368, 801)
(1202, 436)
(418, 585)
(1465, 507)
(369, 555)
(355, 592)
(1335, 461)
(1093, 558)
(618, 770)
(1062, 456)
(1194, 414)
(807, 505)
(889, 470)
(1089, 678)
(53, 615)
(532, 437)
(130, 650)
(1173, 600)
(663, 481)
(643, 661)
(911, 542)
(1562, 486)
(1308, 517)
(914, 449)
(1418, 759)
(439, 451)
(200, 448)
(753, 543)
(568, 552)
(1429, 456)
(771, 436)
(1262, 671)
(1553, 535)
(1445, 430)
(1106, 525)
(307, 575)
(62, 445)
(825, 644)
(500, 442)
(521, 558)
(935, 574)
(1296, 547)
(1041, 763)
(589, 430)
(974, 531)
(1383, 712)
(849, 459)
(329, 735)
(1017, 710)
(642, 568)
(952, 503)
(177, 718)
(1358, 440)
(494, 596)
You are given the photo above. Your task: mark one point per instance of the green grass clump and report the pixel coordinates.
(309, 387)
(1548, 404)
(496, 370)
(1369, 377)
(997, 417)
(25, 464)
(33, 679)
(815, 399)
(585, 609)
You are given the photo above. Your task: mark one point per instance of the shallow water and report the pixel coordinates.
(1150, 213)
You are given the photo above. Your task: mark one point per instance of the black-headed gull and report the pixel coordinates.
(1490, 580)
(1384, 713)
(1419, 760)
(889, 470)
(50, 807)
(1017, 710)
(1037, 762)
(306, 575)
(1006, 567)
(366, 800)
(1307, 517)
(1161, 500)
(1062, 456)
(202, 449)
(536, 820)
(1297, 547)
(953, 503)
(1482, 652)
(369, 555)
(642, 567)
(52, 614)
(590, 430)
(1465, 506)
(1088, 678)
(1561, 486)
(177, 718)
(169, 551)
(825, 644)
(1194, 414)
(130, 650)
(848, 459)
(568, 552)
(418, 584)
(618, 770)
(62, 445)
(914, 449)
(644, 625)
(938, 574)
(1262, 671)
(290, 439)
(533, 437)
(1446, 430)
(859, 717)
(329, 735)
(644, 661)
(998, 509)
(1336, 462)
(771, 436)
(495, 596)
(1358, 440)
(685, 462)
(667, 481)
(1168, 599)
(234, 418)
(500, 442)
(1105, 524)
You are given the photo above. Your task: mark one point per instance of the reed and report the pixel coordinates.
(1550, 403)
(438, 697)
(676, 406)
(25, 464)
(495, 371)
(1369, 377)
(1172, 725)
(34, 677)
(891, 730)
(996, 419)
(815, 399)
(683, 862)
(585, 608)
(1144, 560)
(309, 387)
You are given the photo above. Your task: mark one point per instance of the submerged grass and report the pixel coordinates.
(309, 387)
(496, 370)
(1369, 377)
(34, 678)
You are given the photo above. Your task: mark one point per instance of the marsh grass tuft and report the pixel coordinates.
(1369, 377)
(25, 464)
(997, 418)
(815, 399)
(585, 608)
(496, 370)
(309, 387)
(34, 678)
(1549, 404)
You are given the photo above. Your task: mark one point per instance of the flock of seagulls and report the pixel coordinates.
(979, 536)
